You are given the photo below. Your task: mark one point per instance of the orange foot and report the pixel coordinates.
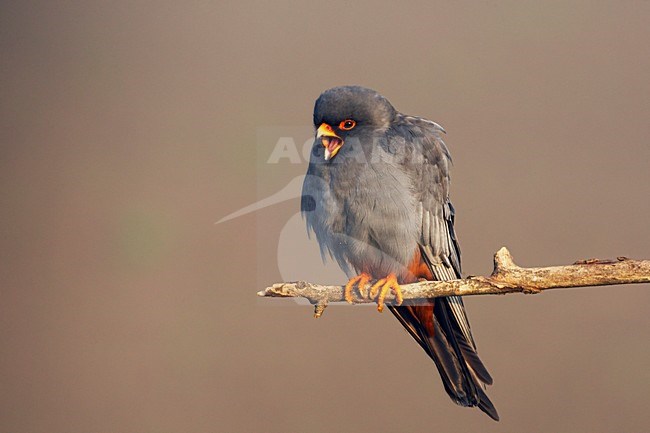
(382, 287)
(361, 281)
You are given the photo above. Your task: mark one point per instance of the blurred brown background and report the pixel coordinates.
(128, 128)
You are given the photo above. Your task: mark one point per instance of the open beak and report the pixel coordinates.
(329, 140)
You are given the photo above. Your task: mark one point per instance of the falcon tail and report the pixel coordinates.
(438, 331)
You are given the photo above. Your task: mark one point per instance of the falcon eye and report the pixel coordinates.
(348, 124)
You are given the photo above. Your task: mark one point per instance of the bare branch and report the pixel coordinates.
(507, 277)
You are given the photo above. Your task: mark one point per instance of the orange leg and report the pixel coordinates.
(361, 281)
(382, 287)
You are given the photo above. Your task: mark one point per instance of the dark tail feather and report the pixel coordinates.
(486, 405)
(462, 372)
(474, 362)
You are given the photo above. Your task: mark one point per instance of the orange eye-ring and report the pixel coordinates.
(348, 124)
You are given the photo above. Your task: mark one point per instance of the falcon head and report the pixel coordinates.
(347, 112)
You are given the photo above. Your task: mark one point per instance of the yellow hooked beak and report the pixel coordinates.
(329, 140)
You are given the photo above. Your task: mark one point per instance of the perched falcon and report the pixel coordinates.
(376, 195)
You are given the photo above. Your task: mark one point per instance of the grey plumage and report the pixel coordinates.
(382, 201)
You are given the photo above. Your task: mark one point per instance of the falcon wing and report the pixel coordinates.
(446, 336)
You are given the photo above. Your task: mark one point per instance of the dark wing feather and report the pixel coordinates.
(451, 346)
